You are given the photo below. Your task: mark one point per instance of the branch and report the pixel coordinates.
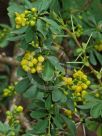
(9, 61)
(24, 121)
(72, 35)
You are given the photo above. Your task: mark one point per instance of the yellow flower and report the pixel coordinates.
(26, 12)
(78, 88)
(68, 113)
(17, 26)
(69, 81)
(34, 10)
(41, 58)
(27, 55)
(78, 74)
(30, 64)
(26, 68)
(33, 70)
(78, 94)
(9, 91)
(24, 62)
(84, 77)
(97, 95)
(39, 68)
(11, 87)
(19, 109)
(73, 87)
(32, 23)
(84, 86)
(34, 61)
(65, 93)
(5, 94)
(22, 19)
(88, 82)
(18, 20)
(79, 99)
(84, 93)
(64, 78)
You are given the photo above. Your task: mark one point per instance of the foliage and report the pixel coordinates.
(60, 66)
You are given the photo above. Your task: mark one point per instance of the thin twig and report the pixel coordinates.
(9, 61)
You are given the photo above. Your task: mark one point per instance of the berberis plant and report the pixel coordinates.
(54, 85)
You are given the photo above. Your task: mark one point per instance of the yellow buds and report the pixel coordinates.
(33, 70)
(26, 18)
(68, 113)
(32, 23)
(41, 59)
(79, 83)
(65, 93)
(97, 95)
(9, 91)
(19, 109)
(39, 68)
(84, 93)
(3, 33)
(34, 61)
(31, 63)
(67, 80)
(34, 10)
(12, 115)
(84, 86)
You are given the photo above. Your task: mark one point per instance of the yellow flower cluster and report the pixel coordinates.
(26, 18)
(79, 30)
(79, 83)
(3, 33)
(69, 112)
(9, 91)
(12, 115)
(35, 45)
(32, 64)
(98, 47)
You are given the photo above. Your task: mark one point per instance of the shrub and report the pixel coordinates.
(56, 69)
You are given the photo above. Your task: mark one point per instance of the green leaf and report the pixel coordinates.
(14, 7)
(56, 95)
(31, 92)
(55, 6)
(4, 128)
(27, 4)
(41, 126)
(99, 56)
(99, 131)
(48, 71)
(92, 58)
(41, 27)
(4, 43)
(29, 35)
(71, 125)
(54, 27)
(22, 85)
(91, 125)
(48, 102)
(38, 114)
(96, 110)
(21, 72)
(55, 62)
(70, 104)
(87, 105)
(42, 4)
(15, 38)
(63, 98)
(57, 121)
